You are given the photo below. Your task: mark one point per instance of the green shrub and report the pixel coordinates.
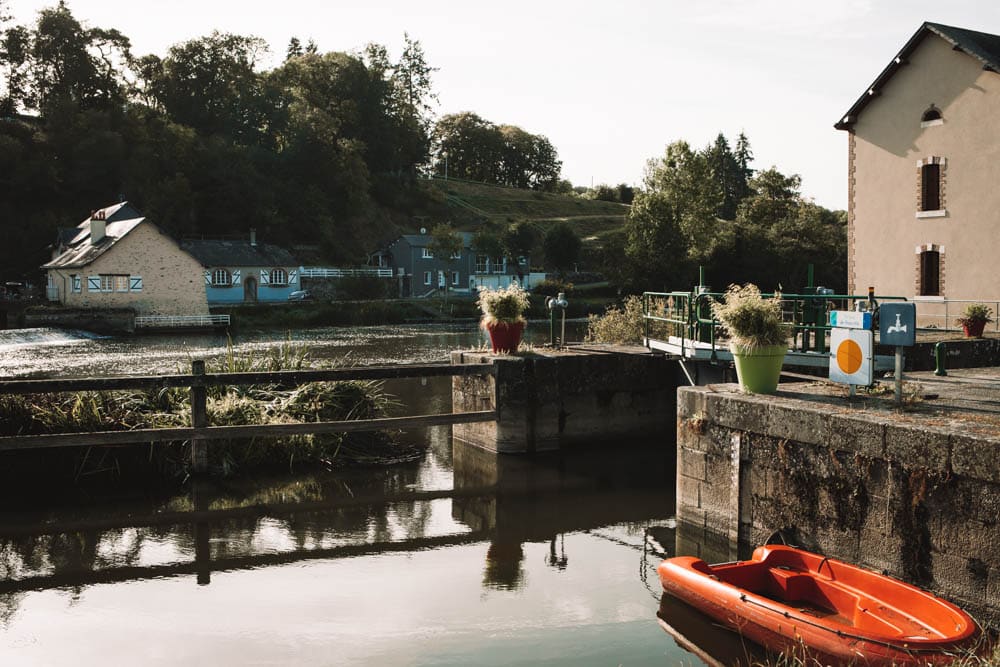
(618, 324)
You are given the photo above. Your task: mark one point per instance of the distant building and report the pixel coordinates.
(118, 259)
(923, 173)
(420, 273)
(244, 271)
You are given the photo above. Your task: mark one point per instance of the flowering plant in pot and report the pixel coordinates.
(503, 315)
(975, 319)
(758, 338)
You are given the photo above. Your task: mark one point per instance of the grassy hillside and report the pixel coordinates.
(471, 203)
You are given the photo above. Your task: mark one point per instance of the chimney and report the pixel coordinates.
(253, 236)
(98, 227)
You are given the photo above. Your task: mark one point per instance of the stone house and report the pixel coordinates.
(244, 271)
(923, 156)
(420, 273)
(119, 259)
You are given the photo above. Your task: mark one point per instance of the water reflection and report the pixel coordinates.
(703, 638)
(557, 543)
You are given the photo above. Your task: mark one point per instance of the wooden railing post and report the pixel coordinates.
(199, 417)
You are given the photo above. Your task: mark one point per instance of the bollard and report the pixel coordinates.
(940, 352)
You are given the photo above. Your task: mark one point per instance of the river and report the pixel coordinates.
(460, 558)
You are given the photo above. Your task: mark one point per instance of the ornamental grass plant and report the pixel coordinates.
(750, 320)
(503, 305)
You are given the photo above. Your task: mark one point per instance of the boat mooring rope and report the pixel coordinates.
(840, 633)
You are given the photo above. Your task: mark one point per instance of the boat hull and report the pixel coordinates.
(796, 602)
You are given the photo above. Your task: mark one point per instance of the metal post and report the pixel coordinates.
(898, 375)
(940, 352)
(199, 417)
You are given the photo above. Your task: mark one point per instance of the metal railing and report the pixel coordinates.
(943, 313)
(180, 321)
(686, 318)
(327, 272)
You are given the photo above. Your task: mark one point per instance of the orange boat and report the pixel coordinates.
(784, 598)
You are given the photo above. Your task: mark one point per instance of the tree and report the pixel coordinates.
(727, 175)
(477, 149)
(445, 246)
(211, 84)
(519, 241)
(655, 247)
(683, 179)
(487, 242)
(562, 247)
(469, 146)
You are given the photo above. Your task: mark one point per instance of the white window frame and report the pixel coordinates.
(482, 264)
(279, 278)
(454, 278)
(226, 278)
(427, 254)
(499, 265)
(75, 284)
(427, 277)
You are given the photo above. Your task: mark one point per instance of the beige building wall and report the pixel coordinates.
(886, 148)
(172, 280)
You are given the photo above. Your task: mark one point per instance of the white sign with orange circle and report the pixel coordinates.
(851, 356)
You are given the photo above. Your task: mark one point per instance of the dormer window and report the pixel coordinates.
(932, 116)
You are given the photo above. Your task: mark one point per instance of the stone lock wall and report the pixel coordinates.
(918, 501)
(555, 399)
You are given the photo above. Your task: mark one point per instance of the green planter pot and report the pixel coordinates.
(758, 369)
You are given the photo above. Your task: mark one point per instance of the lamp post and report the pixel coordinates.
(445, 154)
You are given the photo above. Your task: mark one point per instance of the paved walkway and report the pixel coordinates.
(966, 401)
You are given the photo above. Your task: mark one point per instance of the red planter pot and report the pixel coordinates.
(974, 329)
(505, 336)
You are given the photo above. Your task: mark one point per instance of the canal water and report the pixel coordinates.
(460, 558)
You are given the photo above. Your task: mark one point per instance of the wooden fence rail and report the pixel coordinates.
(200, 433)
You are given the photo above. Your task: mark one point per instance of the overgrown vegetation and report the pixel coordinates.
(233, 405)
(619, 324)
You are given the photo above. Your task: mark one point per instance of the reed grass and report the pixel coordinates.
(84, 412)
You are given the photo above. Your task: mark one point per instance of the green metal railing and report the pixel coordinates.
(688, 316)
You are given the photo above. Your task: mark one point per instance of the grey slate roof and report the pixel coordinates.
(120, 219)
(237, 253)
(982, 46)
(424, 240)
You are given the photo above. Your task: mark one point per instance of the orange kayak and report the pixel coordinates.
(784, 598)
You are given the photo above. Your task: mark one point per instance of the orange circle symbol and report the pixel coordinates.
(849, 356)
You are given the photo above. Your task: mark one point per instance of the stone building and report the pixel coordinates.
(924, 150)
(119, 259)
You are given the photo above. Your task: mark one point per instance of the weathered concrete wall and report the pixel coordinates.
(959, 353)
(918, 498)
(555, 399)
(98, 320)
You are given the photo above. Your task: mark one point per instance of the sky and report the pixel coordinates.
(610, 84)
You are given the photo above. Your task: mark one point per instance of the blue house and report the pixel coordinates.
(421, 273)
(244, 271)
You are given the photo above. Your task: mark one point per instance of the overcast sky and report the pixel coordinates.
(609, 83)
